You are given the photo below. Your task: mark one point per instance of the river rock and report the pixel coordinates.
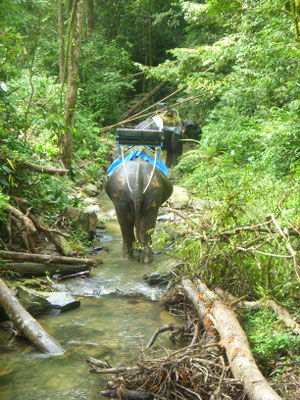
(156, 279)
(179, 198)
(37, 302)
(82, 219)
(91, 190)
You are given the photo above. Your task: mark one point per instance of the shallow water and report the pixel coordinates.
(117, 316)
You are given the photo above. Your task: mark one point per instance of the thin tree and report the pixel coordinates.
(61, 40)
(90, 17)
(72, 86)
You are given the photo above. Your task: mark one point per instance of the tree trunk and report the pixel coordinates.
(40, 269)
(114, 22)
(72, 87)
(233, 338)
(61, 40)
(43, 258)
(42, 169)
(90, 17)
(27, 324)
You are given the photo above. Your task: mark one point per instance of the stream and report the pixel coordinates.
(118, 314)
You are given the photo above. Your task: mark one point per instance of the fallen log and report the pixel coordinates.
(233, 338)
(43, 258)
(43, 169)
(40, 269)
(27, 324)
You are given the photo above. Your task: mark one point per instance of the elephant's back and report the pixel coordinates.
(138, 175)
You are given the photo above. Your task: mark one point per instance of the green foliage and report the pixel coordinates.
(232, 191)
(268, 336)
(10, 46)
(3, 201)
(103, 88)
(48, 195)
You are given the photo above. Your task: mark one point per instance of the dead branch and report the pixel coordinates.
(47, 233)
(42, 169)
(185, 217)
(27, 324)
(256, 228)
(23, 218)
(23, 204)
(22, 231)
(187, 374)
(160, 330)
(43, 258)
(233, 338)
(288, 246)
(98, 367)
(279, 310)
(196, 333)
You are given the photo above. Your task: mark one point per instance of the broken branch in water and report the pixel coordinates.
(27, 324)
(170, 327)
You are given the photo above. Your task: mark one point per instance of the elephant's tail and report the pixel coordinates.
(137, 192)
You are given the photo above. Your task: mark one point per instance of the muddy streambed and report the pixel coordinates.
(118, 314)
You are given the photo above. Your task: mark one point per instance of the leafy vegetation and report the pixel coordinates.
(268, 336)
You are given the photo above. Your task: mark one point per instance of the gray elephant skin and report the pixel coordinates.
(173, 144)
(137, 202)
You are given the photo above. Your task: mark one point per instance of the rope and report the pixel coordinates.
(138, 115)
(152, 172)
(124, 166)
(154, 165)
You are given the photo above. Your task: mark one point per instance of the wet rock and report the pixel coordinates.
(91, 190)
(179, 198)
(37, 302)
(94, 208)
(90, 201)
(82, 219)
(100, 248)
(156, 279)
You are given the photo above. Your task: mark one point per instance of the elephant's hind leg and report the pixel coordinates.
(125, 219)
(147, 226)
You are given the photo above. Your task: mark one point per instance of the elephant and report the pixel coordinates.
(172, 144)
(137, 190)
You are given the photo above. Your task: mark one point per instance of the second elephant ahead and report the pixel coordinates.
(137, 191)
(173, 144)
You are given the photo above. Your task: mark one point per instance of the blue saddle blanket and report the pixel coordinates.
(132, 156)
